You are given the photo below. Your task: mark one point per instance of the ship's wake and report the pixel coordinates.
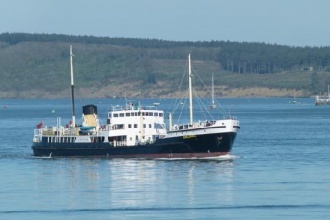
(43, 157)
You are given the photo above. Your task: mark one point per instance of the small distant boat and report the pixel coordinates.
(294, 100)
(213, 105)
(323, 100)
(132, 131)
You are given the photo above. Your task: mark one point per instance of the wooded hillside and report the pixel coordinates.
(37, 65)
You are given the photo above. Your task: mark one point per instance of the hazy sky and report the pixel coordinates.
(286, 22)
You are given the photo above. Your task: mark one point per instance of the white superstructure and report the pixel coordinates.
(132, 125)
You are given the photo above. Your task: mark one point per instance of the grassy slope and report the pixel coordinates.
(35, 70)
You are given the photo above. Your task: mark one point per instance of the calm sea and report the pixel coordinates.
(280, 169)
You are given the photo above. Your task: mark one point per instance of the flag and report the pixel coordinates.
(38, 126)
(69, 124)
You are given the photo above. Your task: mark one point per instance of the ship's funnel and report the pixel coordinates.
(90, 115)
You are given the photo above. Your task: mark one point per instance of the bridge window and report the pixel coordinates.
(118, 126)
(158, 126)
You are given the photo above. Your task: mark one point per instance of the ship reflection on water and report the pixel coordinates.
(136, 184)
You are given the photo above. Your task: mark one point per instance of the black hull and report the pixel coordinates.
(208, 145)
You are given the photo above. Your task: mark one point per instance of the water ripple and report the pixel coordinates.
(155, 209)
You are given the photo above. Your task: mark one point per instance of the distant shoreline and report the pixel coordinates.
(256, 92)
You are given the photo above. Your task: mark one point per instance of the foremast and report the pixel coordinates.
(72, 88)
(190, 97)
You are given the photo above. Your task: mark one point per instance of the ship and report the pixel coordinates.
(134, 131)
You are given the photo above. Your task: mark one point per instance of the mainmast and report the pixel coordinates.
(72, 88)
(190, 93)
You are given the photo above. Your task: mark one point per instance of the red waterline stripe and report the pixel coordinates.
(173, 155)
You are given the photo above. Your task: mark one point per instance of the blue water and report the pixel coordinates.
(280, 169)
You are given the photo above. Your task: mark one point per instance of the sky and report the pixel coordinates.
(283, 22)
